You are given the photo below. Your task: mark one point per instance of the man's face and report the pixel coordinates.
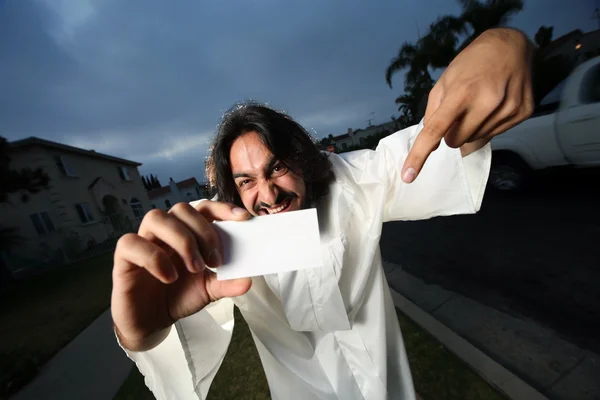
(266, 185)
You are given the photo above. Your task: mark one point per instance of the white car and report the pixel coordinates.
(563, 131)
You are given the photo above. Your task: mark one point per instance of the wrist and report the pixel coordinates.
(141, 344)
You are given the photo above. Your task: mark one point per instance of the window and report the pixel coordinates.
(64, 165)
(136, 207)
(554, 95)
(590, 87)
(167, 204)
(124, 173)
(84, 212)
(42, 223)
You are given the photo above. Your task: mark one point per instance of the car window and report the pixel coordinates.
(554, 95)
(590, 86)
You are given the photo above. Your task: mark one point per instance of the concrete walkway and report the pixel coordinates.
(540, 360)
(91, 367)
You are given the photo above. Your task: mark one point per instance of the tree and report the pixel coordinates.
(151, 182)
(479, 16)
(446, 37)
(156, 182)
(25, 181)
(543, 36)
(145, 182)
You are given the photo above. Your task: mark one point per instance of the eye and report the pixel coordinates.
(244, 182)
(279, 169)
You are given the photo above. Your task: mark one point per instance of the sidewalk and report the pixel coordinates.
(91, 367)
(540, 359)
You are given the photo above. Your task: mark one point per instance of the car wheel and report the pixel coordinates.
(507, 175)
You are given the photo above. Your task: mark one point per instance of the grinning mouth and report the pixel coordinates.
(283, 207)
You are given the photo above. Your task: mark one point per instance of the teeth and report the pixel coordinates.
(278, 209)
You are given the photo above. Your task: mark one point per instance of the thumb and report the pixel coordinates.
(229, 288)
(428, 140)
(219, 211)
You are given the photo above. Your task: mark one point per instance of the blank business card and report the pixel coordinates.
(269, 244)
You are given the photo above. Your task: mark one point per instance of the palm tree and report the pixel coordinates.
(479, 16)
(412, 56)
(441, 44)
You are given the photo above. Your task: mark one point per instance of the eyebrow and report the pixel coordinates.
(270, 164)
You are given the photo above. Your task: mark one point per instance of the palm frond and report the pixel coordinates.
(404, 58)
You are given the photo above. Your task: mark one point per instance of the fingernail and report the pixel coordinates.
(409, 175)
(214, 260)
(198, 264)
(172, 275)
(239, 211)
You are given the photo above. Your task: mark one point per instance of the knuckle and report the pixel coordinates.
(430, 133)
(469, 92)
(203, 204)
(125, 241)
(188, 245)
(208, 237)
(179, 207)
(155, 214)
(434, 93)
(489, 100)
(157, 257)
(528, 108)
(512, 107)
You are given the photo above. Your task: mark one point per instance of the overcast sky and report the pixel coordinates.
(148, 80)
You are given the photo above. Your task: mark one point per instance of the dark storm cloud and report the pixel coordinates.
(148, 80)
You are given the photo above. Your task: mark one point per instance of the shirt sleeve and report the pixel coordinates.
(184, 365)
(448, 184)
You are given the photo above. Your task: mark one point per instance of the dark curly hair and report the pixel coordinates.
(289, 142)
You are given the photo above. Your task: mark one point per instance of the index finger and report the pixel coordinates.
(430, 137)
(220, 211)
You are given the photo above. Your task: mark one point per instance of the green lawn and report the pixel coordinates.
(41, 315)
(438, 374)
(240, 377)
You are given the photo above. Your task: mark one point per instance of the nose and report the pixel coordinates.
(267, 193)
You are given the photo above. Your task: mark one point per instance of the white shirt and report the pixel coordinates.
(331, 332)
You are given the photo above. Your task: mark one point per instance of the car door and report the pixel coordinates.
(578, 125)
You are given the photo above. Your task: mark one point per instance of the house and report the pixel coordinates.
(359, 137)
(176, 192)
(92, 197)
(575, 47)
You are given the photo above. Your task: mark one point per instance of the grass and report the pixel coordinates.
(42, 314)
(437, 373)
(241, 375)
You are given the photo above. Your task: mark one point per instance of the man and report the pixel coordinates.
(323, 333)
